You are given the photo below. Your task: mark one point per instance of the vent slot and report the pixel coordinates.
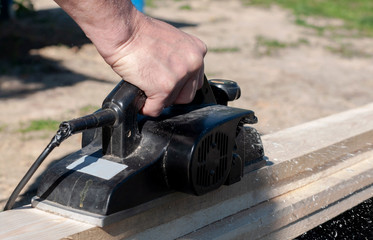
(212, 162)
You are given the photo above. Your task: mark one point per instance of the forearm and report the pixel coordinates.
(107, 23)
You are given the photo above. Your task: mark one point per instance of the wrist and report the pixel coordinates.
(116, 30)
(108, 24)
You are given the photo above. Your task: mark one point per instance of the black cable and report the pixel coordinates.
(62, 134)
(98, 119)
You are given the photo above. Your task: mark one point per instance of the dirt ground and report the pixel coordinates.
(49, 70)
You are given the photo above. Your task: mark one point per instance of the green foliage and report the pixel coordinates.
(357, 14)
(347, 51)
(266, 47)
(224, 49)
(88, 109)
(302, 22)
(41, 124)
(185, 7)
(2, 127)
(272, 43)
(150, 3)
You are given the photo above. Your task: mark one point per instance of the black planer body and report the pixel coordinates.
(194, 148)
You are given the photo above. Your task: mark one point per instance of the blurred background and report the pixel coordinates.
(295, 60)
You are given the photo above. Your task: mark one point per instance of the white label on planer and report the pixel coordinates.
(97, 167)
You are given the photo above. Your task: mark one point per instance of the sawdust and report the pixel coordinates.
(49, 70)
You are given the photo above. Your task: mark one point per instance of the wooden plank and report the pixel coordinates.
(298, 157)
(313, 220)
(30, 223)
(289, 215)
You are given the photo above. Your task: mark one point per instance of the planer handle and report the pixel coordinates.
(122, 137)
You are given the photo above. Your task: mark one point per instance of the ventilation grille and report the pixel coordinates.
(212, 160)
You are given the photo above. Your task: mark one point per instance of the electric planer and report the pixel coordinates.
(128, 159)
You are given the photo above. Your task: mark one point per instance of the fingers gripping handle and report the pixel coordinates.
(204, 95)
(122, 137)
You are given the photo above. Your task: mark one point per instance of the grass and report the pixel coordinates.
(357, 14)
(88, 109)
(2, 127)
(347, 51)
(50, 124)
(40, 125)
(266, 47)
(150, 3)
(185, 7)
(319, 29)
(224, 49)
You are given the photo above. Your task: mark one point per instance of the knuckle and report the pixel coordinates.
(194, 60)
(204, 48)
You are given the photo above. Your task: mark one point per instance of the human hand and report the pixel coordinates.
(164, 62)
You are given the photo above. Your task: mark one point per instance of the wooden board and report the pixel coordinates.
(315, 170)
(291, 214)
(30, 223)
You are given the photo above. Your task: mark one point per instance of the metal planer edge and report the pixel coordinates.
(125, 167)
